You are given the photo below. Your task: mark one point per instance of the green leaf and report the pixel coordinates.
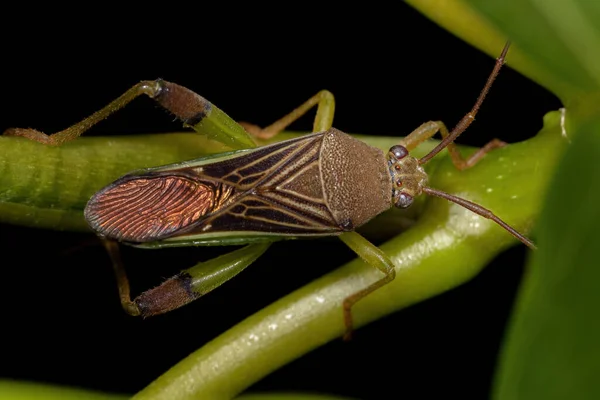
(552, 348)
(559, 36)
(555, 42)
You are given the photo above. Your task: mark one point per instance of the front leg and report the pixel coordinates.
(428, 129)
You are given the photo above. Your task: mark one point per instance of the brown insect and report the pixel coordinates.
(323, 184)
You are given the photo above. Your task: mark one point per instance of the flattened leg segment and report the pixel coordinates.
(148, 208)
(184, 287)
(197, 281)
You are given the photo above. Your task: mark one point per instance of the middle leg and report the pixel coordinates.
(325, 103)
(373, 256)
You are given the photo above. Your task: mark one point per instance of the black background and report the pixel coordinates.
(390, 69)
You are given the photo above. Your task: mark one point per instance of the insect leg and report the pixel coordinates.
(325, 103)
(143, 88)
(373, 256)
(194, 110)
(428, 129)
(112, 248)
(187, 285)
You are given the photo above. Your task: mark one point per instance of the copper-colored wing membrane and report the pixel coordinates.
(148, 208)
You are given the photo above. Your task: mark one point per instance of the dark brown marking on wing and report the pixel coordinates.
(229, 222)
(147, 208)
(228, 169)
(302, 158)
(274, 215)
(303, 208)
(256, 213)
(255, 203)
(249, 180)
(254, 168)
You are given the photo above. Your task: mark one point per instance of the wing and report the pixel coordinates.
(271, 190)
(277, 190)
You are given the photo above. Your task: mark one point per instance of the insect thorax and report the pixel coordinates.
(355, 179)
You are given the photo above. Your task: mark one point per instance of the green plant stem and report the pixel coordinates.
(551, 351)
(13, 390)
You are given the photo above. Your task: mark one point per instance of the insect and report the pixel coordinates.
(322, 184)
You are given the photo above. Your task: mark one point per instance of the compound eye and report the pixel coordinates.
(404, 200)
(398, 151)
